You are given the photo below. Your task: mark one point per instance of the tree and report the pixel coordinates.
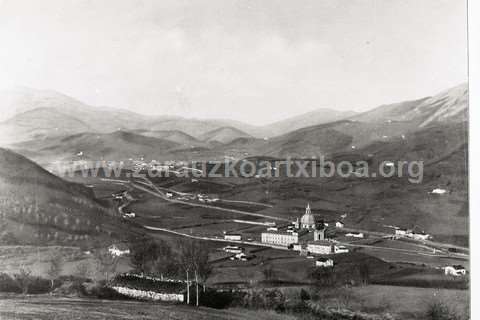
(323, 277)
(364, 273)
(166, 263)
(144, 252)
(55, 269)
(194, 259)
(439, 310)
(23, 279)
(83, 270)
(9, 239)
(107, 263)
(268, 272)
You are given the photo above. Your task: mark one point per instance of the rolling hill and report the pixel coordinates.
(190, 139)
(223, 135)
(312, 118)
(118, 145)
(448, 106)
(44, 113)
(38, 114)
(383, 124)
(37, 207)
(175, 136)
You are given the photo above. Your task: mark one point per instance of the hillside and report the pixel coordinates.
(176, 136)
(312, 118)
(38, 207)
(450, 105)
(38, 114)
(383, 124)
(42, 114)
(223, 135)
(191, 139)
(118, 145)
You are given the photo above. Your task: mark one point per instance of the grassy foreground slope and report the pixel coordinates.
(47, 308)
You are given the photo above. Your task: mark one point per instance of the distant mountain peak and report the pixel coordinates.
(224, 135)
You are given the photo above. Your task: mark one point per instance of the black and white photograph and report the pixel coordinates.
(235, 159)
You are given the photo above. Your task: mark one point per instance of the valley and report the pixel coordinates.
(156, 195)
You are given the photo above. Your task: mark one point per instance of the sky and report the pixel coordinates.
(254, 61)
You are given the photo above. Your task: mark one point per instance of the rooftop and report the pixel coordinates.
(321, 243)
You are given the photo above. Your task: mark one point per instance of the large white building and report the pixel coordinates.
(280, 238)
(320, 247)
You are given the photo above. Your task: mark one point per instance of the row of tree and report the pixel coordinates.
(189, 261)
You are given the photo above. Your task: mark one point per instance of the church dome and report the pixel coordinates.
(308, 219)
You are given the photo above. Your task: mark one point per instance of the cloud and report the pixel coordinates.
(256, 61)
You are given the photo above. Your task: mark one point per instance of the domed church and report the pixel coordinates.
(308, 219)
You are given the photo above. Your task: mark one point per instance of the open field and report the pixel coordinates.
(54, 308)
(409, 303)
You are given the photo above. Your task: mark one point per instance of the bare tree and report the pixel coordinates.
(144, 253)
(268, 272)
(55, 269)
(23, 279)
(194, 258)
(166, 263)
(83, 270)
(107, 263)
(364, 273)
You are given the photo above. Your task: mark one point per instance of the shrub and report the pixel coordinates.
(8, 284)
(215, 299)
(439, 310)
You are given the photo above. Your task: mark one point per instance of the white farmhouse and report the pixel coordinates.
(324, 263)
(129, 215)
(234, 249)
(401, 232)
(233, 236)
(355, 235)
(419, 236)
(118, 250)
(455, 270)
(339, 224)
(340, 249)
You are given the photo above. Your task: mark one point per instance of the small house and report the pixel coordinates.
(420, 236)
(297, 247)
(233, 236)
(339, 224)
(118, 250)
(455, 270)
(340, 249)
(234, 249)
(324, 263)
(355, 235)
(401, 232)
(129, 215)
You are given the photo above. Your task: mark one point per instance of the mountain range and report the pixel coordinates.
(40, 114)
(41, 207)
(113, 134)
